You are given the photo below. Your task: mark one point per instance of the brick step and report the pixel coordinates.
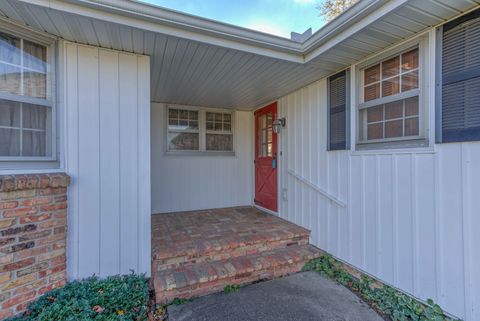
(223, 248)
(210, 277)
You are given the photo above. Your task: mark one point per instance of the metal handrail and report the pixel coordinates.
(317, 188)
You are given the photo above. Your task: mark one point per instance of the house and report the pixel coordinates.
(366, 133)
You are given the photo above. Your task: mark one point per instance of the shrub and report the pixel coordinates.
(114, 298)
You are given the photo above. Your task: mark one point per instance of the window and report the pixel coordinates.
(460, 72)
(265, 135)
(337, 111)
(219, 135)
(199, 130)
(25, 104)
(183, 130)
(389, 108)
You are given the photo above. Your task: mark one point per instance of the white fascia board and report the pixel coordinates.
(357, 11)
(160, 20)
(207, 31)
(193, 22)
(338, 36)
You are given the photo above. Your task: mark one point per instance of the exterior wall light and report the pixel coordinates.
(278, 124)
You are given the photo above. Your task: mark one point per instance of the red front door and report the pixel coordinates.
(266, 193)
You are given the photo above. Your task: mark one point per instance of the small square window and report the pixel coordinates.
(183, 141)
(391, 67)
(372, 75)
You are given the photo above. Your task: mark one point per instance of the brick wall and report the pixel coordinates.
(33, 223)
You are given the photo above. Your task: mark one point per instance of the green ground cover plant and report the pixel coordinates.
(117, 298)
(385, 299)
(231, 288)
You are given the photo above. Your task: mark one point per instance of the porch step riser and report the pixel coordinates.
(211, 287)
(206, 278)
(226, 253)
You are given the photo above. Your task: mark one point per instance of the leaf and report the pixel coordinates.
(98, 309)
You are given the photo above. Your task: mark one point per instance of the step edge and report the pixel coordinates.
(271, 240)
(304, 258)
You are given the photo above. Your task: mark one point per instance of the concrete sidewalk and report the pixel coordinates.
(300, 297)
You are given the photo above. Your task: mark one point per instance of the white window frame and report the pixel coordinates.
(50, 101)
(202, 131)
(421, 140)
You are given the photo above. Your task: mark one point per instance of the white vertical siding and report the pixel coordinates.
(411, 219)
(107, 110)
(189, 182)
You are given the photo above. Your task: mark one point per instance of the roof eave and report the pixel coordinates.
(157, 19)
(169, 22)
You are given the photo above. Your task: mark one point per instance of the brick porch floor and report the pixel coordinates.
(200, 252)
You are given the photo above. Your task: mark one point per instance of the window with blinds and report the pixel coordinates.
(461, 79)
(337, 111)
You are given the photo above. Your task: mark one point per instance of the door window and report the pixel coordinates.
(265, 135)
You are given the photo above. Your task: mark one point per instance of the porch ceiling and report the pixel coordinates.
(197, 61)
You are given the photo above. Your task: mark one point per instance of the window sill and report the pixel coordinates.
(28, 166)
(27, 159)
(418, 145)
(394, 151)
(199, 153)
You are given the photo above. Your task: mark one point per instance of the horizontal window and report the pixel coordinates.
(26, 113)
(199, 130)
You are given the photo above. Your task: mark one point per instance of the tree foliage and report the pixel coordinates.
(332, 8)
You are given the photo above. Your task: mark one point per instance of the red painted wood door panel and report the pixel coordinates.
(266, 164)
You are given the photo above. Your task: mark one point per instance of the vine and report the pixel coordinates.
(389, 301)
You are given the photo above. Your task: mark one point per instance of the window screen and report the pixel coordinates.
(337, 111)
(461, 79)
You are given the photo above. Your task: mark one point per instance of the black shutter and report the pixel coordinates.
(461, 79)
(337, 111)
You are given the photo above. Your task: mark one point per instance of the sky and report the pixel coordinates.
(278, 17)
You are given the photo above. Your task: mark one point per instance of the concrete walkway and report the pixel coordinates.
(300, 297)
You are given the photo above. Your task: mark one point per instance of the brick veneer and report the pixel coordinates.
(33, 224)
(200, 252)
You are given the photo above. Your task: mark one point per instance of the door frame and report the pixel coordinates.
(279, 154)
